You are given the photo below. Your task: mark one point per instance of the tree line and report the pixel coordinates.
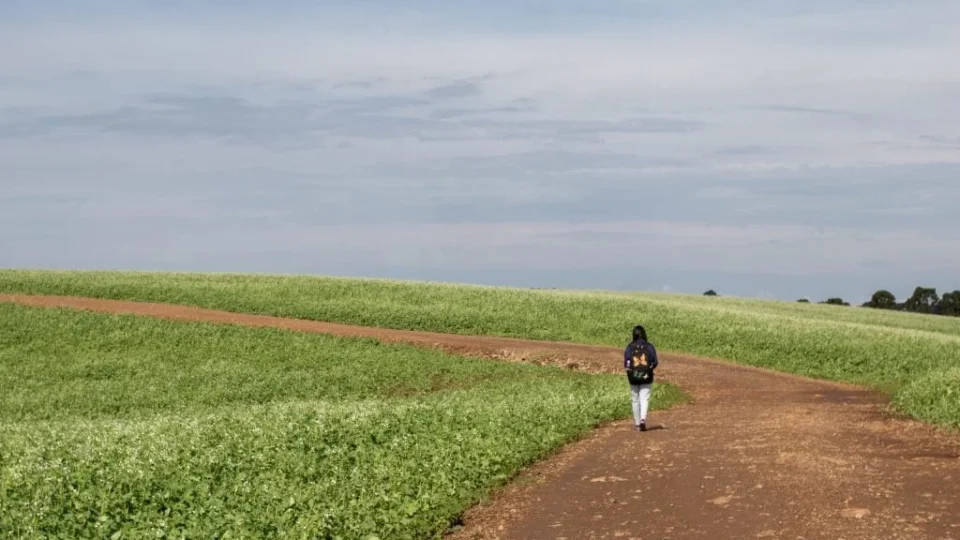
(923, 300)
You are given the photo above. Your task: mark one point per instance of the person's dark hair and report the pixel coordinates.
(639, 332)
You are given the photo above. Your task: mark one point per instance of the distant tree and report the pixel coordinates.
(949, 304)
(924, 300)
(882, 299)
(835, 302)
(803, 301)
(711, 292)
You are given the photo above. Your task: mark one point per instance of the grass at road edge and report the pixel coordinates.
(399, 469)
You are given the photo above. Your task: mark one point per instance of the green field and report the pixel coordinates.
(131, 427)
(914, 357)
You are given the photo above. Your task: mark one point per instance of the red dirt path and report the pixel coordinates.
(758, 455)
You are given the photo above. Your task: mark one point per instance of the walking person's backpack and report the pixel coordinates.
(639, 363)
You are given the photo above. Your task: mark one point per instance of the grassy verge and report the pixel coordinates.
(911, 356)
(124, 366)
(129, 427)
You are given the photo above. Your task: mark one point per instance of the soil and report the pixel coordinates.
(758, 454)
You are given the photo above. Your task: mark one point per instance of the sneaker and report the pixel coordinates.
(637, 427)
(643, 425)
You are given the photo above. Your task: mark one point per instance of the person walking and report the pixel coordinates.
(640, 361)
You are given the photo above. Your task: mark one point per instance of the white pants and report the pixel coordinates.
(640, 396)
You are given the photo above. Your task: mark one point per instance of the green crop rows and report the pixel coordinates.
(129, 427)
(914, 357)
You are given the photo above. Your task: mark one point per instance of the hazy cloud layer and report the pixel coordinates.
(775, 144)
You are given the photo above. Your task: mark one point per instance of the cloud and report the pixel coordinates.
(804, 110)
(457, 89)
(749, 150)
(235, 119)
(544, 164)
(179, 116)
(373, 104)
(940, 141)
(519, 105)
(848, 115)
(363, 85)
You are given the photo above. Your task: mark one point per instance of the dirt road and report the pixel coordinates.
(758, 455)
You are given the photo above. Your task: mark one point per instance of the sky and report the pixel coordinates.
(768, 149)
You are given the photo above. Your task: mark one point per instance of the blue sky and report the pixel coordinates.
(756, 148)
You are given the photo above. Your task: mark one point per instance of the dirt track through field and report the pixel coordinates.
(758, 455)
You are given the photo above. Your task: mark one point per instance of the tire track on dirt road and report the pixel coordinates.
(758, 455)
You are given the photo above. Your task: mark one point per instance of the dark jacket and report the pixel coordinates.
(654, 362)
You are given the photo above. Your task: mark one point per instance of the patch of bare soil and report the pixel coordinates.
(758, 455)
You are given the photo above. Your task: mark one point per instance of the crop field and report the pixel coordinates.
(132, 427)
(915, 358)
